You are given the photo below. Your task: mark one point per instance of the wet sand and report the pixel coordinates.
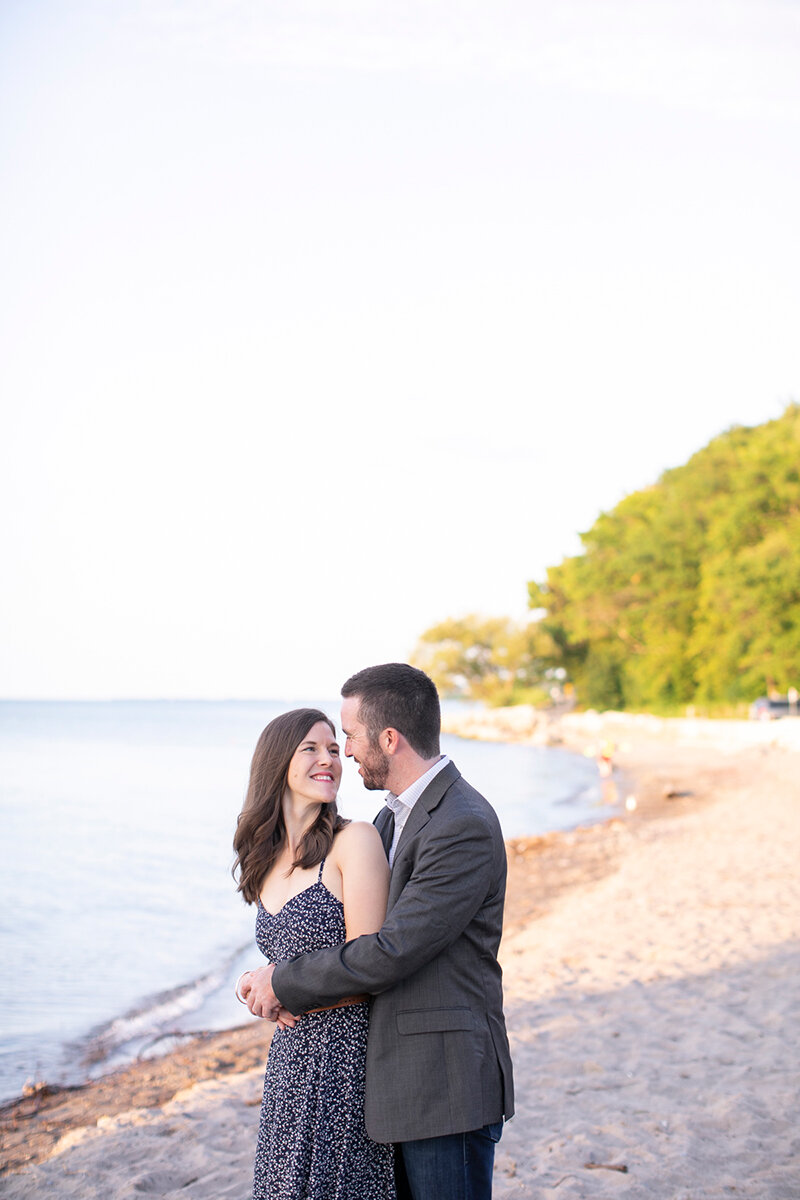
(651, 973)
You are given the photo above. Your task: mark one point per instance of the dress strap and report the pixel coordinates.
(321, 865)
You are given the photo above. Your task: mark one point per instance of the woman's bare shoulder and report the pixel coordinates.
(357, 835)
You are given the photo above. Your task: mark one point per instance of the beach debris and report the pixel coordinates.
(670, 792)
(29, 1104)
(630, 804)
(40, 1088)
(593, 1166)
(31, 1086)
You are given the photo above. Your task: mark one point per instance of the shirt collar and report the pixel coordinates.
(407, 799)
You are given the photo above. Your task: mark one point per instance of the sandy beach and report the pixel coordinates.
(651, 970)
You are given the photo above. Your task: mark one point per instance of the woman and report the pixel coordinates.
(317, 880)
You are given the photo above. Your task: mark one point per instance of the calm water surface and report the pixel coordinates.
(120, 925)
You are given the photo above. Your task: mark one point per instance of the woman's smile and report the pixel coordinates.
(316, 766)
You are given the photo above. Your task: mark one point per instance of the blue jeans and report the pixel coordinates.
(455, 1167)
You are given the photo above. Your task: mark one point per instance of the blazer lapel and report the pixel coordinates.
(421, 812)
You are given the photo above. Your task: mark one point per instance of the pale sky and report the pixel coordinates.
(320, 323)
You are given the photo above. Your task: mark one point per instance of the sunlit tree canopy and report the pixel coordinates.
(689, 591)
(488, 658)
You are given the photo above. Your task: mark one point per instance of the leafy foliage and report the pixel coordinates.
(487, 658)
(688, 591)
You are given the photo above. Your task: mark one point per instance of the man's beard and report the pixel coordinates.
(375, 770)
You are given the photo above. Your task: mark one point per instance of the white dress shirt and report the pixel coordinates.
(402, 805)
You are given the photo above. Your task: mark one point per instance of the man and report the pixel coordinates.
(439, 1076)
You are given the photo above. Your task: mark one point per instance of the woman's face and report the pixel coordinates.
(315, 768)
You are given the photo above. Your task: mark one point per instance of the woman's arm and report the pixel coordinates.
(360, 858)
(358, 853)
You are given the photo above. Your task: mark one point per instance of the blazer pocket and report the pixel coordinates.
(434, 1020)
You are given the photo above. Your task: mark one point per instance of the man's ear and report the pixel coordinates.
(390, 741)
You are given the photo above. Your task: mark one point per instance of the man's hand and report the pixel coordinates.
(256, 990)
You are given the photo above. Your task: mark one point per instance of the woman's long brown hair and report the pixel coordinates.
(260, 831)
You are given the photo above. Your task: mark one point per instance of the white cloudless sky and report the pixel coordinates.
(320, 323)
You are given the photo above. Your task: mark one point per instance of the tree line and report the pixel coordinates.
(686, 593)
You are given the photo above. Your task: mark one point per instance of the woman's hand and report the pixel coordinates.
(286, 1020)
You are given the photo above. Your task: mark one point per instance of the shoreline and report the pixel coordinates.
(33, 1125)
(94, 1023)
(620, 937)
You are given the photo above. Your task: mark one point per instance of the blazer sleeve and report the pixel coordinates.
(453, 874)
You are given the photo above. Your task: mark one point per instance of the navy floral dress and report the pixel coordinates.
(312, 1144)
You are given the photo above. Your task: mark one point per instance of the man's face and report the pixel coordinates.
(373, 764)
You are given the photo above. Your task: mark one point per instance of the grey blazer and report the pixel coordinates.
(438, 1060)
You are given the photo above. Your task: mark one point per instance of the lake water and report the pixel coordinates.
(120, 926)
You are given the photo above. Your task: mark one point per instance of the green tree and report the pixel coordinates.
(688, 590)
(493, 659)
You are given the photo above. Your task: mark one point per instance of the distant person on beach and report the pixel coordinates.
(316, 880)
(439, 1076)
(605, 759)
